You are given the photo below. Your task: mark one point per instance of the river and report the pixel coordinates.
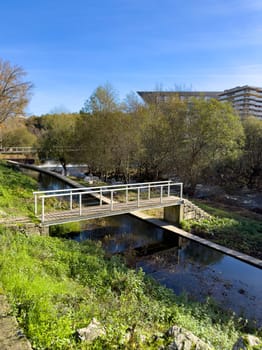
(176, 262)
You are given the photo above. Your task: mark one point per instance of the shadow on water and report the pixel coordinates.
(176, 262)
(203, 272)
(124, 232)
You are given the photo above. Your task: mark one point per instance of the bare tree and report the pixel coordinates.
(14, 91)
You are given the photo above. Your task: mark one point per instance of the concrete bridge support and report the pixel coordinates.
(44, 230)
(174, 214)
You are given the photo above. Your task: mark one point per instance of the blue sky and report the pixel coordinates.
(68, 48)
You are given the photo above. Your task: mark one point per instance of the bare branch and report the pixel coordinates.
(14, 91)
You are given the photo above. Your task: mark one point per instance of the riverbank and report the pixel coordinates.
(57, 286)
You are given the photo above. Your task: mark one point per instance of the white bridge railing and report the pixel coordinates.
(27, 149)
(16, 150)
(125, 193)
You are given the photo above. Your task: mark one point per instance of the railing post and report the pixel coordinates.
(80, 204)
(111, 198)
(168, 189)
(71, 200)
(35, 195)
(149, 189)
(127, 194)
(43, 209)
(181, 190)
(101, 202)
(138, 196)
(161, 194)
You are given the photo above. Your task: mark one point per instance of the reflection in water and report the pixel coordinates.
(233, 284)
(186, 266)
(123, 232)
(48, 183)
(200, 253)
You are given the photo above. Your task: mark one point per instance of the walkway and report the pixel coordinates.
(95, 202)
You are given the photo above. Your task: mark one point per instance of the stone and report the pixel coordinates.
(185, 340)
(11, 336)
(247, 342)
(92, 331)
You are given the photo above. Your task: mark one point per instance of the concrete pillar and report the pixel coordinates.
(174, 214)
(44, 230)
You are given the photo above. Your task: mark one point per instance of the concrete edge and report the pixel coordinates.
(166, 226)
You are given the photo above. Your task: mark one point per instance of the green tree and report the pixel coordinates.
(14, 132)
(108, 141)
(209, 133)
(252, 157)
(103, 99)
(19, 137)
(107, 130)
(153, 147)
(57, 139)
(188, 138)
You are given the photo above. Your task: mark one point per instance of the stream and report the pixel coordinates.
(175, 262)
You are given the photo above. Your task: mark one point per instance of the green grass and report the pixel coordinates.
(230, 229)
(16, 192)
(56, 286)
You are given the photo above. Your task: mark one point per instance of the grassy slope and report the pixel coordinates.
(56, 286)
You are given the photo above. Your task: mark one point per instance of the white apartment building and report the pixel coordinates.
(246, 100)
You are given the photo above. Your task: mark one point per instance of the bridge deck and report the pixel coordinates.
(98, 211)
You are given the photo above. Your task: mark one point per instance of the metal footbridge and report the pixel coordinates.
(77, 204)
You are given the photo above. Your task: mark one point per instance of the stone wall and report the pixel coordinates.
(192, 211)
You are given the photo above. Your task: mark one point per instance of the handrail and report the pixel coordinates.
(105, 186)
(107, 189)
(29, 149)
(14, 149)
